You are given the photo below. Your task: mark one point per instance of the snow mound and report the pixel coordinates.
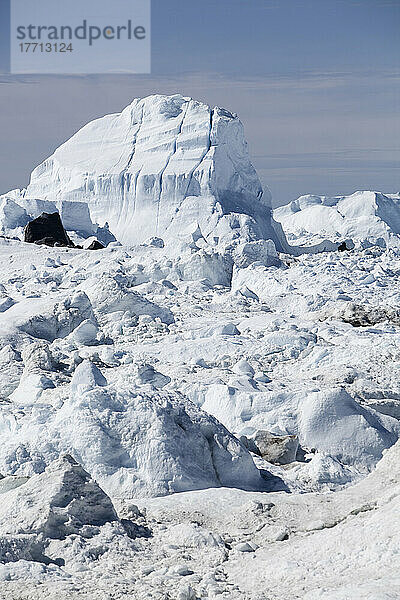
(62, 500)
(158, 168)
(330, 421)
(113, 293)
(135, 443)
(113, 357)
(364, 216)
(334, 423)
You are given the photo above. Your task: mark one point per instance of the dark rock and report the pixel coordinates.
(133, 530)
(365, 316)
(276, 449)
(96, 245)
(342, 247)
(47, 229)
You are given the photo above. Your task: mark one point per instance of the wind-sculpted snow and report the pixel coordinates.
(163, 165)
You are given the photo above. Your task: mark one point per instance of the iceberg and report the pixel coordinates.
(162, 167)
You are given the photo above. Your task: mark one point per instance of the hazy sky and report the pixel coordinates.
(315, 82)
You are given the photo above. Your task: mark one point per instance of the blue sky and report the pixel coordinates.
(316, 84)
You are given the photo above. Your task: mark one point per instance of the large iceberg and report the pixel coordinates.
(162, 167)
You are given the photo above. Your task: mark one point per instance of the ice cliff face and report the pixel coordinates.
(162, 167)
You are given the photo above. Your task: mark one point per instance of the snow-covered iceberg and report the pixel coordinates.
(367, 217)
(162, 167)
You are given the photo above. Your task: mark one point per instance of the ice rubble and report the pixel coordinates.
(92, 374)
(134, 442)
(145, 363)
(202, 544)
(140, 330)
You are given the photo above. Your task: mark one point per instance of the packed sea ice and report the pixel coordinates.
(204, 408)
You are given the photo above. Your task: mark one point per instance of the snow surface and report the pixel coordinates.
(137, 380)
(112, 373)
